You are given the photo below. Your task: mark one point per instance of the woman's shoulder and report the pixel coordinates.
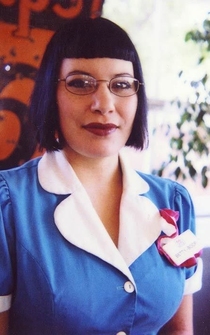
(160, 183)
(164, 190)
(20, 175)
(31, 164)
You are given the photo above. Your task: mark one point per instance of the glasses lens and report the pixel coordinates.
(80, 84)
(124, 86)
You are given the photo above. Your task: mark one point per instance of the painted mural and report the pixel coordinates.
(25, 28)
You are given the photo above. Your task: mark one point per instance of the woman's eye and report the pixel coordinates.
(121, 85)
(78, 83)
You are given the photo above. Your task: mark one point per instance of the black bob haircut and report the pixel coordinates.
(82, 38)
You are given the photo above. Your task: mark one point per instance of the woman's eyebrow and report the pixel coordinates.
(78, 72)
(123, 74)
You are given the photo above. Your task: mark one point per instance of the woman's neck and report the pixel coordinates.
(102, 180)
(94, 171)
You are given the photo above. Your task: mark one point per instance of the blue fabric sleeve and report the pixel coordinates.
(183, 203)
(7, 241)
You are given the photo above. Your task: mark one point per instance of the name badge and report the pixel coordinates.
(182, 247)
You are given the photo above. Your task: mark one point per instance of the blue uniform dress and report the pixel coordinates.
(60, 272)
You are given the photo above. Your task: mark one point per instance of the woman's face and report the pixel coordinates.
(98, 124)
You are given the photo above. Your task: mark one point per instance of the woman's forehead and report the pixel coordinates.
(95, 65)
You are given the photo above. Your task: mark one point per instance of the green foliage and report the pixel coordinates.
(190, 147)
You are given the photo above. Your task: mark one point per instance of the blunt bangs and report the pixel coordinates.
(92, 38)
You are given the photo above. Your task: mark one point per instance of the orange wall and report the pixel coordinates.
(25, 28)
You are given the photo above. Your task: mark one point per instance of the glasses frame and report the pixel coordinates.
(101, 81)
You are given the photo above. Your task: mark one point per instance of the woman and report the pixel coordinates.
(80, 230)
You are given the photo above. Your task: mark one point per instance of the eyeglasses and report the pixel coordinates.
(81, 84)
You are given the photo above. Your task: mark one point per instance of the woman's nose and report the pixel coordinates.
(102, 99)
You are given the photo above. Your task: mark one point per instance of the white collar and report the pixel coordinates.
(57, 176)
(78, 222)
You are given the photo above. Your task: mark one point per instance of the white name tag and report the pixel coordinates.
(182, 247)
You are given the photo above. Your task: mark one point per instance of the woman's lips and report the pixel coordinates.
(100, 129)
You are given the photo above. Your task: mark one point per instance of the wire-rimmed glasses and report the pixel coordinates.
(82, 84)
